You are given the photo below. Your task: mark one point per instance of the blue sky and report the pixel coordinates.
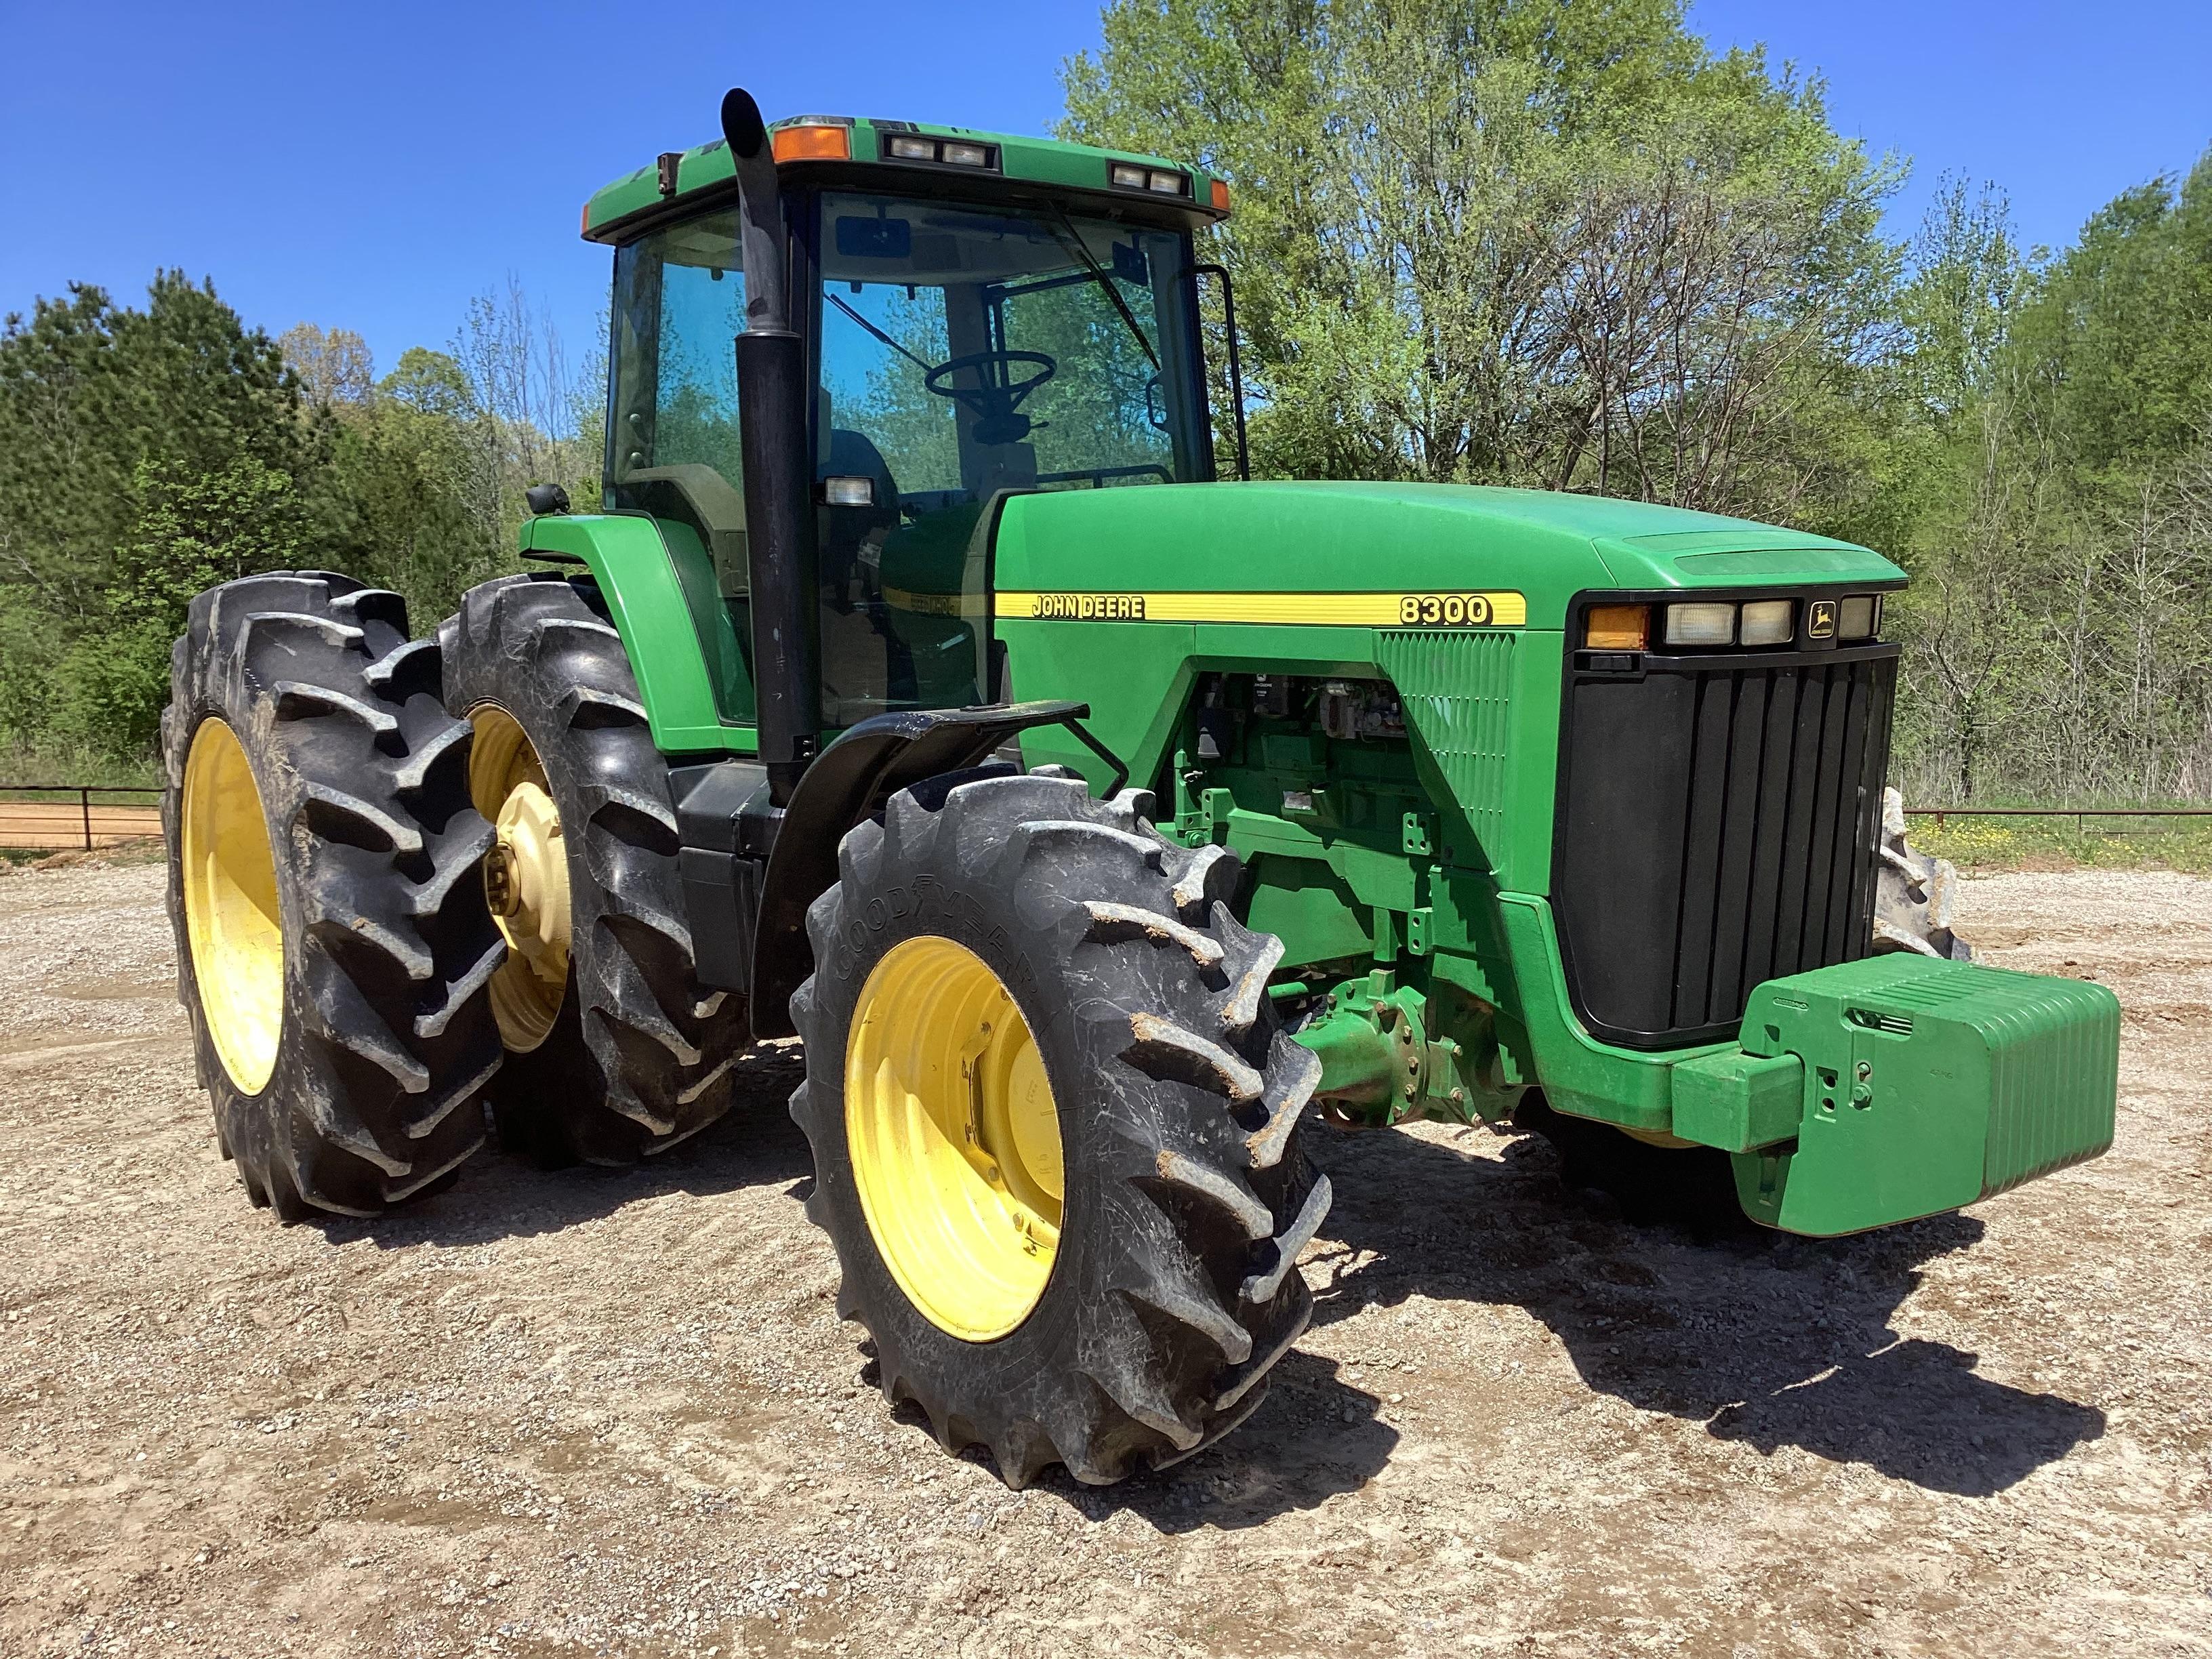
(372, 168)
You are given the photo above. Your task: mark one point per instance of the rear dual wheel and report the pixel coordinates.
(1055, 1127)
(333, 948)
(615, 1050)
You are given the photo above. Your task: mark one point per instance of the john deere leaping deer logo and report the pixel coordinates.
(1821, 620)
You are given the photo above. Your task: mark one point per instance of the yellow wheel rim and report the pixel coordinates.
(954, 1137)
(229, 880)
(525, 877)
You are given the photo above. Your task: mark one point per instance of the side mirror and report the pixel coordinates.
(547, 498)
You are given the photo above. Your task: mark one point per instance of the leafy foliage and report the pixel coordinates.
(1553, 243)
(147, 453)
(1520, 242)
(1544, 242)
(2055, 507)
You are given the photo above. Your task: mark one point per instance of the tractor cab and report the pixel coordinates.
(971, 321)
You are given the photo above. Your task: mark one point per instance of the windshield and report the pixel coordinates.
(987, 348)
(966, 351)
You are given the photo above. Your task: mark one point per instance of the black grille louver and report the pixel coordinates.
(1716, 829)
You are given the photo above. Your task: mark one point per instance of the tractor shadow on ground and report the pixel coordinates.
(499, 1195)
(1766, 1339)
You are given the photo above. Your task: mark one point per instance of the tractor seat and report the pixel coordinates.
(848, 530)
(862, 664)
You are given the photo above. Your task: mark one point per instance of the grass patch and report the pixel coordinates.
(59, 764)
(2055, 844)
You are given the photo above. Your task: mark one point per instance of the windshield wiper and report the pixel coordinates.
(1075, 241)
(879, 333)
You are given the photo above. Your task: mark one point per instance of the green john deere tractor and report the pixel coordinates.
(921, 691)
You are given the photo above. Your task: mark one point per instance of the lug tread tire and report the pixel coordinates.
(640, 1057)
(1913, 893)
(387, 1037)
(1692, 1188)
(1174, 1292)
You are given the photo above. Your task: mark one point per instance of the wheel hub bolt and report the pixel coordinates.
(503, 892)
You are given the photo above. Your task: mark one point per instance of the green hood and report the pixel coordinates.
(1329, 538)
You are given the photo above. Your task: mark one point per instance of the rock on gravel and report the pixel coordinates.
(615, 1413)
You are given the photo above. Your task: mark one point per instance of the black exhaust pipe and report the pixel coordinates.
(773, 396)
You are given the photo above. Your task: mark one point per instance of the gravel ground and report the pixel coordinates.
(593, 1412)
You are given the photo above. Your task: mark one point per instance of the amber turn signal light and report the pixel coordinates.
(1220, 194)
(1617, 627)
(813, 144)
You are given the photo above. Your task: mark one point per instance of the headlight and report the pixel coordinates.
(1700, 624)
(1859, 617)
(913, 149)
(1769, 621)
(966, 155)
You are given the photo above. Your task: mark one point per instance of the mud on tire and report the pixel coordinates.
(385, 1038)
(1188, 1195)
(639, 1057)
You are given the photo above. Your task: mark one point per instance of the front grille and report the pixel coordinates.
(1716, 829)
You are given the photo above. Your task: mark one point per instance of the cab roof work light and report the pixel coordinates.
(1154, 181)
(938, 151)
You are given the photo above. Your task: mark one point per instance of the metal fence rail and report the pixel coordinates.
(2078, 813)
(78, 825)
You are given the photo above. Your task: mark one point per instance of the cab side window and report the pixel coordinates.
(672, 442)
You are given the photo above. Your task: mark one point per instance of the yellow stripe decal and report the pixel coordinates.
(1437, 609)
(934, 605)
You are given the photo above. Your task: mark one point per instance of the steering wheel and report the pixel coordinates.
(997, 401)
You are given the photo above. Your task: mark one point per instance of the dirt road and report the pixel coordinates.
(596, 1412)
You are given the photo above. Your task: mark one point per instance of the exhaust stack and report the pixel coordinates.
(774, 400)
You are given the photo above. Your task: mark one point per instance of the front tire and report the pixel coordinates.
(1685, 1185)
(332, 944)
(1103, 1280)
(1913, 894)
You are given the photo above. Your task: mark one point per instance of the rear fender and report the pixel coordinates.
(625, 555)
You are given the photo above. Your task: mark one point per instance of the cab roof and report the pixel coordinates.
(621, 211)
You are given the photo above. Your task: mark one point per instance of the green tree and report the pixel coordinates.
(397, 493)
(2115, 346)
(192, 530)
(1522, 242)
(122, 431)
(2056, 426)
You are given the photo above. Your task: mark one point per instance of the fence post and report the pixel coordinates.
(84, 798)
